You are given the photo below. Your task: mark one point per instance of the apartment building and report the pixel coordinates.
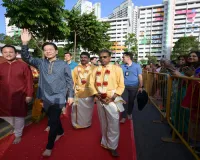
(11, 30)
(123, 20)
(97, 10)
(150, 31)
(85, 6)
(119, 28)
(160, 26)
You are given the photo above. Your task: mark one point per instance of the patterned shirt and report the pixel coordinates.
(55, 78)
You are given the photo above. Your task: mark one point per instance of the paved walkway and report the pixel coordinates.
(148, 138)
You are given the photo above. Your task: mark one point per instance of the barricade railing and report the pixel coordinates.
(178, 101)
(156, 87)
(184, 106)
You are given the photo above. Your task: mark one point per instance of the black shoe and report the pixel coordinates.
(114, 153)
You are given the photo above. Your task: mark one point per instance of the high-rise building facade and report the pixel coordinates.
(85, 6)
(119, 28)
(11, 30)
(122, 21)
(150, 31)
(97, 10)
(160, 26)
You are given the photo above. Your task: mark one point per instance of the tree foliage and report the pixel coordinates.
(86, 31)
(143, 61)
(152, 59)
(16, 41)
(61, 53)
(184, 45)
(131, 43)
(44, 18)
(2, 36)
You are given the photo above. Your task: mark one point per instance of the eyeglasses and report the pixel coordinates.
(103, 57)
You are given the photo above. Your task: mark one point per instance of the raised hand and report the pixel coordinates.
(25, 36)
(188, 71)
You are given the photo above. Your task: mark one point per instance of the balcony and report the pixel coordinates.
(181, 7)
(158, 10)
(157, 32)
(157, 23)
(179, 26)
(180, 21)
(180, 17)
(191, 6)
(156, 45)
(157, 28)
(179, 35)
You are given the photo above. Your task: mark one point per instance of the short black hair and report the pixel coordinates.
(92, 58)
(129, 54)
(68, 53)
(10, 46)
(49, 43)
(85, 54)
(105, 51)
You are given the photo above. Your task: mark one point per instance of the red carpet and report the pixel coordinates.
(81, 144)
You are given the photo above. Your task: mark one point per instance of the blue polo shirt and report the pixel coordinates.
(72, 65)
(131, 74)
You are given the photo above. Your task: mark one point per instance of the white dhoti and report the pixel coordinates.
(109, 120)
(81, 115)
(17, 123)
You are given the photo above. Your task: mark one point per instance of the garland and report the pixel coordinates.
(102, 87)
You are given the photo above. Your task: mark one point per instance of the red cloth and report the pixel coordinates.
(16, 83)
(191, 99)
(81, 144)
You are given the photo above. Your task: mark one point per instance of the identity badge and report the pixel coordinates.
(126, 73)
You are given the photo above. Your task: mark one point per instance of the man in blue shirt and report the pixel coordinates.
(133, 83)
(68, 59)
(55, 78)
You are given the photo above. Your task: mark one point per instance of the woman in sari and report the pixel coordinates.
(180, 116)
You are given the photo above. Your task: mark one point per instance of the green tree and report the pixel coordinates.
(184, 45)
(2, 36)
(143, 61)
(152, 59)
(61, 53)
(16, 41)
(131, 44)
(8, 40)
(86, 32)
(43, 18)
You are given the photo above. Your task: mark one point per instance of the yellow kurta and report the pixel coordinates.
(115, 80)
(82, 109)
(108, 114)
(81, 90)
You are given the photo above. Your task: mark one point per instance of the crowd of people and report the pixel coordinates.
(185, 94)
(62, 84)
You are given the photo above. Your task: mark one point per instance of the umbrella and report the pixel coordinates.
(142, 99)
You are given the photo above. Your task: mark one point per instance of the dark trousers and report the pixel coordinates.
(54, 123)
(129, 95)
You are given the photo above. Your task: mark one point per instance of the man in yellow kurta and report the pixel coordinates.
(107, 85)
(82, 109)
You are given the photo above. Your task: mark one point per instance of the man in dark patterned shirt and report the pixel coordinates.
(55, 78)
